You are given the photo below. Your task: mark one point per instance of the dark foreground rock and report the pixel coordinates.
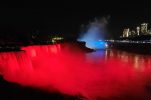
(76, 46)
(11, 91)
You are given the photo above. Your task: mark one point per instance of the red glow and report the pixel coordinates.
(61, 68)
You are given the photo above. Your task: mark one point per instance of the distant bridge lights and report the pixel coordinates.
(128, 41)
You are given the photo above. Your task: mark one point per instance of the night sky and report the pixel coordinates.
(67, 17)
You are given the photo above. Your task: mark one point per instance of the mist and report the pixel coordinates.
(94, 33)
(65, 69)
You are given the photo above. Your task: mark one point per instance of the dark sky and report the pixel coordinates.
(67, 17)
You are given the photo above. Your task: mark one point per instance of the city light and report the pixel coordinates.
(55, 39)
(140, 30)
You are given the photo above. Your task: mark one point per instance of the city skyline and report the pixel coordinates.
(141, 29)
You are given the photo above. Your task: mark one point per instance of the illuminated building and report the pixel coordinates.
(144, 27)
(55, 39)
(133, 33)
(149, 31)
(138, 30)
(126, 32)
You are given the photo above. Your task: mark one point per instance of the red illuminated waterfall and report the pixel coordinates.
(67, 70)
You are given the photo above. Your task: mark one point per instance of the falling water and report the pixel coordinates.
(107, 74)
(93, 33)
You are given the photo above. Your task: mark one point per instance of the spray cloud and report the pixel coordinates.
(94, 32)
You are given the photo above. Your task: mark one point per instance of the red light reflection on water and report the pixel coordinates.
(112, 74)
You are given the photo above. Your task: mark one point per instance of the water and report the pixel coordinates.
(101, 75)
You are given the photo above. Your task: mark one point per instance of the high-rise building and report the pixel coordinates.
(144, 27)
(138, 30)
(133, 33)
(149, 32)
(126, 32)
